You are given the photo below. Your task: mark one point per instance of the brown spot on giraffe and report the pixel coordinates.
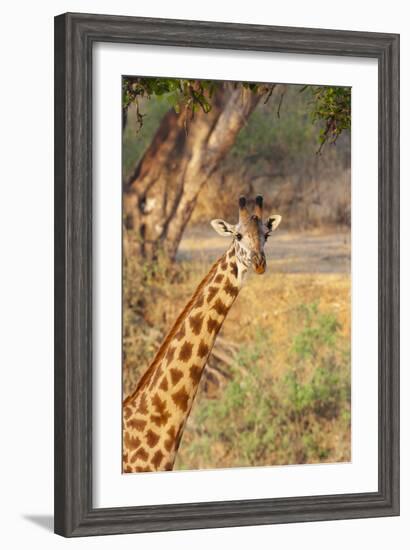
(127, 412)
(230, 289)
(143, 405)
(180, 398)
(220, 307)
(195, 373)
(137, 424)
(219, 278)
(140, 454)
(176, 376)
(195, 322)
(164, 384)
(212, 293)
(199, 301)
(160, 419)
(203, 349)
(131, 443)
(162, 415)
(157, 458)
(185, 352)
(159, 404)
(168, 443)
(152, 438)
(213, 325)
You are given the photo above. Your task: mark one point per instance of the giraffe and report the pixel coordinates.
(154, 415)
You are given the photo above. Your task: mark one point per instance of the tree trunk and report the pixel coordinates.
(162, 192)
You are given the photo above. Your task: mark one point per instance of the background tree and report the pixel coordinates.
(193, 137)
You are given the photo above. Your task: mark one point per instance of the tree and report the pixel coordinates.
(191, 140)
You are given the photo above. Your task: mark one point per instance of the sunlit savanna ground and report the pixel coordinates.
(277, 389)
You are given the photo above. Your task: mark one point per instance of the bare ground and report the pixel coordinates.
(287, 252)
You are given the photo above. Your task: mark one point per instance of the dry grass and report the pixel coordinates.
(271, 304)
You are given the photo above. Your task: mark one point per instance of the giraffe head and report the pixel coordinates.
(250, 234)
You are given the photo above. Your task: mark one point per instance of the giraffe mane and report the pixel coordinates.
(146, 377)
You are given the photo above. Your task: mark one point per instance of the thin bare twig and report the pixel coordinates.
(282, 95)
(269, 93)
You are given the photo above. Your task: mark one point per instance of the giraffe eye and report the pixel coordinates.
(238, 236)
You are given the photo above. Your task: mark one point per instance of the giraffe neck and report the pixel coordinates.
(155, 414)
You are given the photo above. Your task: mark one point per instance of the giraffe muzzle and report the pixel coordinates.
(259, 263)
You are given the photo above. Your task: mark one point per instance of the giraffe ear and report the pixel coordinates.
(223, 228)
(273, 222)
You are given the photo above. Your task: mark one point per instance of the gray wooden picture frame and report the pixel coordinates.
(75, 35)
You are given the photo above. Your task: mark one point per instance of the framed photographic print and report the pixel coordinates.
(226, 274)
